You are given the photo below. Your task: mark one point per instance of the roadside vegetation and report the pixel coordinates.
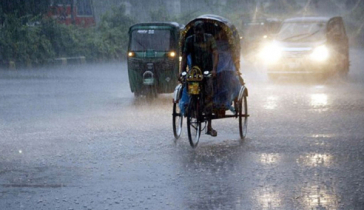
(39, 40)
(27, 36)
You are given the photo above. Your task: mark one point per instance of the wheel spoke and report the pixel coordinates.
(194, 126)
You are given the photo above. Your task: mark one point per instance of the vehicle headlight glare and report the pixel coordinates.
(131, 54)
(320, 53)
(271, 53)
(172, 54)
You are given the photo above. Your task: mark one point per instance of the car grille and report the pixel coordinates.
(296, 54)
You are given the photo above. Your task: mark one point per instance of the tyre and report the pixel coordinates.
(243, 116)
(136, 94)
(177, 121)
(194, 122)
(151, 93)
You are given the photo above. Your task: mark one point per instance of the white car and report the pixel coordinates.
(308, 45)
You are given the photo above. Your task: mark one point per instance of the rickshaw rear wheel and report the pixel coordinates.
(243, 117)
(194, 122)
(177, 120)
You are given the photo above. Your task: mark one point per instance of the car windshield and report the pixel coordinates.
(254, 31)
(158, 40)
(301, 31)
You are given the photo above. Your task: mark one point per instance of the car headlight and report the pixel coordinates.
(271, 53)
(320, 53)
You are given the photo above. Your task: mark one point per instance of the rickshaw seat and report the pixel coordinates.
(226, 85)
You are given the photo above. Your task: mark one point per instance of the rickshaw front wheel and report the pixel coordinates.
(177, 120)
(194, 122)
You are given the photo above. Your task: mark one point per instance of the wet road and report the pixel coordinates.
(75, 138)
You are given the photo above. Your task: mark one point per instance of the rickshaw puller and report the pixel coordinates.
(202, 48)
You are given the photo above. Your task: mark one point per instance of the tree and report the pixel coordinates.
(160, 14)
(22, 8)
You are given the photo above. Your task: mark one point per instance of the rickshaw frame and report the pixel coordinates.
(240, 102)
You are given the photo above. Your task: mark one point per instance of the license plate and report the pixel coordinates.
(148, 81)
(294, 65)
(193, 88)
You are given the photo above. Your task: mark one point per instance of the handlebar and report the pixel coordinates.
(207, 74)
(183, 75)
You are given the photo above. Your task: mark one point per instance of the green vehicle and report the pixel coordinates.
(153, 58)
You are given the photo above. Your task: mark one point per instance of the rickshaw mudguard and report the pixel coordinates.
(177, 93)
(243, 92)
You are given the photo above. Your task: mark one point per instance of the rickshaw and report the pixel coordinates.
(192, 82)
(153, 58)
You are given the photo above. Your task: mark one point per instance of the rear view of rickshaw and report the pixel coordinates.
(153, 58)
(230, 95)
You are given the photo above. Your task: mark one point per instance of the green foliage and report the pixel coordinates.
(22, 43)
(160, 14)
(113, 34)
(47, 39)
(23, 8)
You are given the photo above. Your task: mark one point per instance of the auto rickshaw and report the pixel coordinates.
(230, 95)
(153, 58)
